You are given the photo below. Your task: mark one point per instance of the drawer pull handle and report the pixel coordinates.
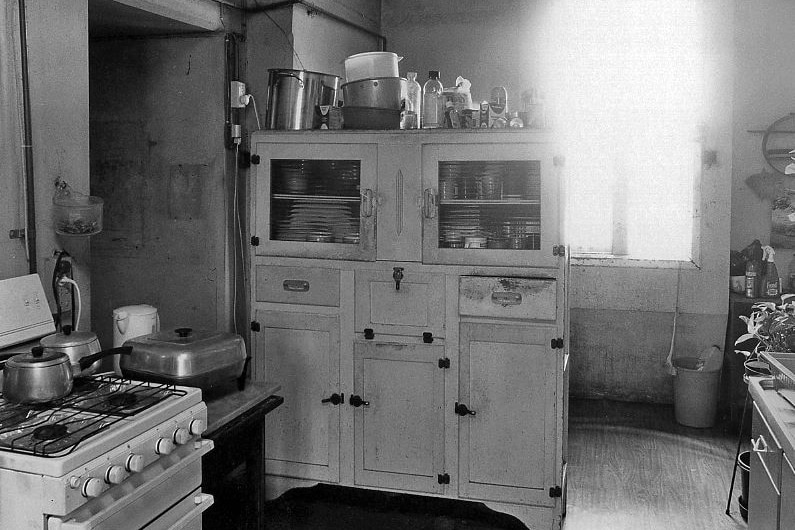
(296, 286)
(506, 298)
(760, 445)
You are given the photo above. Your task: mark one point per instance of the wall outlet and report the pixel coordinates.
(238, 90)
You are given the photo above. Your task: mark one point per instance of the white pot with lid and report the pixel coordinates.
(133, 321)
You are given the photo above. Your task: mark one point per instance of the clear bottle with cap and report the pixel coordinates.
(413, 101)
(432, 102)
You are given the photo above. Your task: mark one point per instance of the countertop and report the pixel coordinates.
(225, 407)
(778, 412)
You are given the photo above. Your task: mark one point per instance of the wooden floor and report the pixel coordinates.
(632, 466)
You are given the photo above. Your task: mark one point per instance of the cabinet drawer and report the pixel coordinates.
(521, 298)
(298, 285)
(413, 309)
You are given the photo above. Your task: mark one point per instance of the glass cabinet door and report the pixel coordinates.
(489, 204)
(316, 201)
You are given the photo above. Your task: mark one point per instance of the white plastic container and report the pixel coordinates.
(371, 64)
(133, 321)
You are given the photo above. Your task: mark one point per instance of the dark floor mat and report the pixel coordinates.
(326, 507)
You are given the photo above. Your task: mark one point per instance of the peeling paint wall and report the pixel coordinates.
(159, 160)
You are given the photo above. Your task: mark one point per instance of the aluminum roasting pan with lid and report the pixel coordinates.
(187, 357)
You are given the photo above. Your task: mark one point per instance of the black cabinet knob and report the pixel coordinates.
(357, 401)
(462, 410)
(334, 399)
(397, 275)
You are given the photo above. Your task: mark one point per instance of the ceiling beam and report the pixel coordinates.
(203, 14)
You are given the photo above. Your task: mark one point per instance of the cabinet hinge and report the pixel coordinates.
(444, 362)
(427, 337)
(556, 343)
(559, 250)
(555, 492)
(255, 326)
(369, 334)
(254, 241)
(255, 159)
(443, 478)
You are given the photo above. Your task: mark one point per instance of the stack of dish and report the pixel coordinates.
(318, 222)
(373, 92)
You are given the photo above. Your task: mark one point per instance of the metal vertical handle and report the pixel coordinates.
(367, 203)
(428, 204)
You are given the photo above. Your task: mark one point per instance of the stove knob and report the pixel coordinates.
(134, 463)
(164, 446)
(181, 436)
(89, 486)
(197, 427)
(115, 474)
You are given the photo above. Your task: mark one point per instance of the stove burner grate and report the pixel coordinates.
(56, 429)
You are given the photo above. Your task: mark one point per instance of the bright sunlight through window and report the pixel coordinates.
(625, 83)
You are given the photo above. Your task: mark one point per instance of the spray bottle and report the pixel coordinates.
(772, 282)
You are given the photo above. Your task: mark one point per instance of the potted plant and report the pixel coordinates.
(772, 326)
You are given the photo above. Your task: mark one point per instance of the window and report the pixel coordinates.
(625, 83)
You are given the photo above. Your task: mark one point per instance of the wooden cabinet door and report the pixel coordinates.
(507, 377)
(764, 480)
(399, 431)
(415, 308)
(314, 200)
(787, 511)
(302, 352)
(504, 194)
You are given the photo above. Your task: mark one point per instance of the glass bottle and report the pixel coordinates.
(432, 102)
(413, 101)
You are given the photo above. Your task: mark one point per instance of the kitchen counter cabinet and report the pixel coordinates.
(772, 486)
(234, 472)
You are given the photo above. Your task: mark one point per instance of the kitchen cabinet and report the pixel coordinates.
(787, 490)
(443, 287)
(234, 471)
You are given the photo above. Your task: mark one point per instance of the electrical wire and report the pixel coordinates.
(238, 228)
(256, 113)
(76, 290)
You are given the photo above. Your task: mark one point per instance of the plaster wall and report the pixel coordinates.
(765, 75)
(57, 34)
(158, 157)
(622, 314)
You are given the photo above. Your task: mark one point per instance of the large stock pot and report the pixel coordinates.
(294, 95)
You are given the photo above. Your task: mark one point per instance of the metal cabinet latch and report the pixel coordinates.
(397, 275)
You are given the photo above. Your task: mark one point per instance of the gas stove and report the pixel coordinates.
(113, 454)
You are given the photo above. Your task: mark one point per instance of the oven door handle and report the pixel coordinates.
(116, 509)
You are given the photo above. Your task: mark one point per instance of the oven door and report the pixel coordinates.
(165, 495)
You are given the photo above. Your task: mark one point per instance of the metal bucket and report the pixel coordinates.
(293, 96)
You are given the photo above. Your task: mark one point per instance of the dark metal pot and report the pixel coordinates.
(293, 96)
(42, 376)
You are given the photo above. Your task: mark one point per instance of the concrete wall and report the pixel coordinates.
(158, 157)
(622, 315)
